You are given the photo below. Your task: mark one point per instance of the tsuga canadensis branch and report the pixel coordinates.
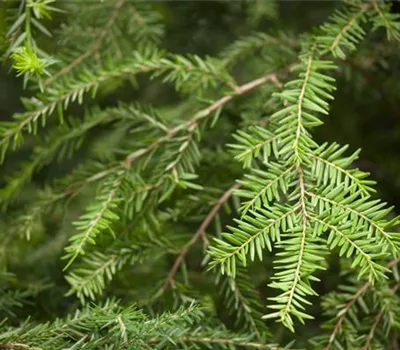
(294, 197)
(92, 226)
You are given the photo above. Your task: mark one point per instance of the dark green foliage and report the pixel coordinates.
(157, 194)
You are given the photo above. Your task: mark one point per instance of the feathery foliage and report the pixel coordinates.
(137, 163)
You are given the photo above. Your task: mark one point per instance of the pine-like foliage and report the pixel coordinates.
(189, 182)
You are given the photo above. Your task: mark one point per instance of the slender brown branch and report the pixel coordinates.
(376, 322)
(93, 51)
(199, 233)
(350, 303)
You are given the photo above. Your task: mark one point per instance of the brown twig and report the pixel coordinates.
(199, 233)
(350, 303)
(94, 50)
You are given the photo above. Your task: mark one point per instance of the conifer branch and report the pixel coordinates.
(341, 33)
(96, 269)
(175, 69)
(137, 16)
(91, 224)
(255, 148)
(302, 99)
(245, 46)
(390, 21)
(204, 113)
(378, 9)
(65, 140)
(61, 98)
(343, 30)
(84, 286)
(242, 299)
(353, 243)
(170, 133)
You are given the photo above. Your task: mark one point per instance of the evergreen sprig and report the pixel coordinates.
(98, 218)
(283, 206)
(129, 185)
